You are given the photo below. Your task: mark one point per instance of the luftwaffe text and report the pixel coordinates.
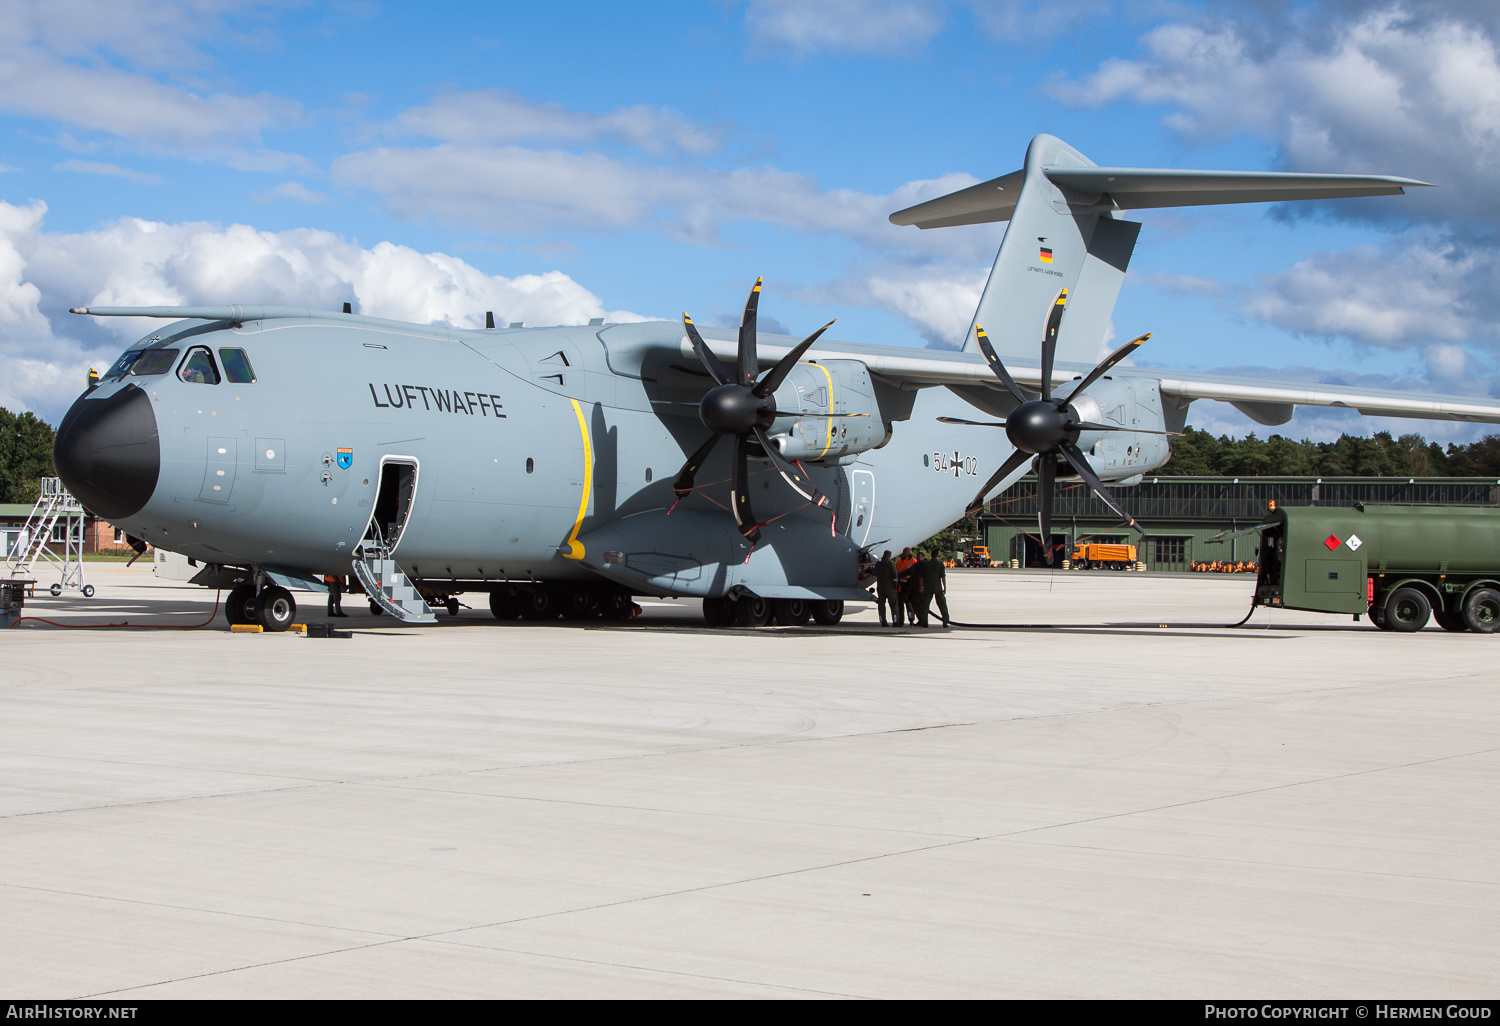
(475, 404)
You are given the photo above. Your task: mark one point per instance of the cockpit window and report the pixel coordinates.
(153, 361)
(199, 367)
(237, 366)
(122, 365)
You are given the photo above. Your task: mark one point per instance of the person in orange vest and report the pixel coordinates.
(909, 584)
(335, 596)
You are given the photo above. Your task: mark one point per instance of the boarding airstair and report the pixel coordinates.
(54, 507)
(386, 584)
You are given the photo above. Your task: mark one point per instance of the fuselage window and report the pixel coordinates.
(237, 366)
(199, 367)
(530, 465)
(122, 365)
(154, 361)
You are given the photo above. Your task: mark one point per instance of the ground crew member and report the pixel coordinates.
(887, 589)
(908, 590)
(335, 596)
(934, 586)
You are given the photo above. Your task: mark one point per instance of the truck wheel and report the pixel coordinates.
(1482, 611)
(1450, 621)
(1407, 610)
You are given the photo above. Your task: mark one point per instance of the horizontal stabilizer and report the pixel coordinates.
(1130, 188)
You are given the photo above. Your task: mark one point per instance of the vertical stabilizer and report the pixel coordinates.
(1058, 239)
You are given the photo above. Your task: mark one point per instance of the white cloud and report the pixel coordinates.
(94, 65)
(515, 190)
(806, 27)
(937, 299)
(93, 167)
(1384, 92)
(298, 191)
(1419, 288)
(500, 116)
(45, 351)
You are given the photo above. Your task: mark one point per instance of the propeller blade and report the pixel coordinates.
(1049, 341)
(1081, 464)
(749, 366)
(996, 366)
(1108, 362)
(739, 499)
(777, 374)
(972, 423)
(1088, 426)
(706, 355)
(1007, 468)
(1046, 477)
(683, 486)
(793, 474)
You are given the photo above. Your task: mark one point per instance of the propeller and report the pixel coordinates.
(743, 407)
(1047, 429)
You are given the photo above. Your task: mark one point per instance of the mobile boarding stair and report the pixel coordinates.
(386, 584)
(54, 506)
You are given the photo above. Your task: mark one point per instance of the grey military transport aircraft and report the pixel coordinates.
(564, 470)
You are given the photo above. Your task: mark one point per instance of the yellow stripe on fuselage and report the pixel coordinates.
(575, 551)
(827, 442)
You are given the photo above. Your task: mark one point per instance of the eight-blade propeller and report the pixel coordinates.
(741, 406)
(1047, 429)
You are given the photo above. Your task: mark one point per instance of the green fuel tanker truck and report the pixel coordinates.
(1400, 564)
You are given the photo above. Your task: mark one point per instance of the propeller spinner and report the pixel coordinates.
(1047, 429)
(743, 408)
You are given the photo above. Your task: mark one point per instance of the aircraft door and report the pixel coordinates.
(218, 470)
(862, 509)
(396, 491)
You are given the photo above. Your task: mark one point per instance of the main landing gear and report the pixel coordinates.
(754, 611)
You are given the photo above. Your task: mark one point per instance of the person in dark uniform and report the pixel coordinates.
(335, 596)
(934, 587)
(887, 589)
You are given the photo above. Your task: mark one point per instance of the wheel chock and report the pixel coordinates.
(246, 628)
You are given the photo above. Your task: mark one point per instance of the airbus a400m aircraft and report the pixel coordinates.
(565, 469)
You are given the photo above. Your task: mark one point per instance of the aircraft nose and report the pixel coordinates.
(108, 453)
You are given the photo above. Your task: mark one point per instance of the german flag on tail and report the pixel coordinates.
(1046, 255)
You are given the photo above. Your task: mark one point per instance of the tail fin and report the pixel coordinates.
(1064, 234)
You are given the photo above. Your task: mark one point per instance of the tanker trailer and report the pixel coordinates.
(1401, 564)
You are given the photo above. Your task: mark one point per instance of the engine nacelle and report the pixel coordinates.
(1127, 403)
(804, 429)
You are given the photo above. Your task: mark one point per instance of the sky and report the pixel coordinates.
(562, 161)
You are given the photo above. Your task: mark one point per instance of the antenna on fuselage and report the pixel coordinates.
(489, 318)
(348, 308)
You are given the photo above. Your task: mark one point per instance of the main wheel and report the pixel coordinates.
(1407, 610)
(275, 608)
(828, 612)
(579, 605)
(1482, 611)
(239, 607)
(616, 606)
(539, 605)
(1450, 621)
(504, 605)
(791, 612)
(719, 612)
(752, 611)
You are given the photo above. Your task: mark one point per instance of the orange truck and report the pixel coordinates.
(1104, 557)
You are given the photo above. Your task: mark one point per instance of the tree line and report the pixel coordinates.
(1200, 454)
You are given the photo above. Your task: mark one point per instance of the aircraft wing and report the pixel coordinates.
(1266, 402)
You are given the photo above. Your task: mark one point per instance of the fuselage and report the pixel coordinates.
(518, 444)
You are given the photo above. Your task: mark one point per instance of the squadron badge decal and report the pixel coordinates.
(346, 458)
